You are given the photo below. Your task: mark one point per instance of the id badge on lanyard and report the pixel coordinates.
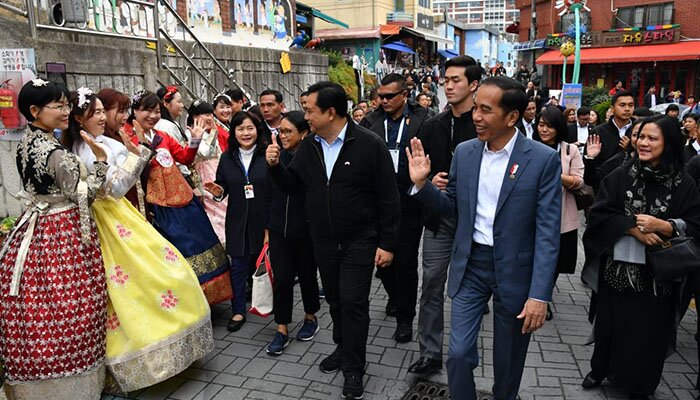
(248, 187)
(395, 151)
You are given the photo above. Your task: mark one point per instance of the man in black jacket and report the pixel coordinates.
(353, 207)
(612, 136)
(440, 136)
(579, 131)
(651, 99)
(396, 122)
(271, 106)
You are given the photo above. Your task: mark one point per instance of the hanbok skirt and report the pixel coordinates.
(158, 320)
(216, 210)
(190, 231)
(52, 335)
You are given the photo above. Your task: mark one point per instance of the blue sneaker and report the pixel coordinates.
(321, 293)
(308, 330)
(279, 342)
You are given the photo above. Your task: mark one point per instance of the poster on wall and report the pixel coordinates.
(17, 67)
(249, 23)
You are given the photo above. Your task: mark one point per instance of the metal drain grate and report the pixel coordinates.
(425, 390)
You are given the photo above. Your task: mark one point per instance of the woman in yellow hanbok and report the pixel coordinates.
(158, 320)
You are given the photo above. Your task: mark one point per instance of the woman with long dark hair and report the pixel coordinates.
(53, 297)
(646, 201)
(242, 177)
(552, 130)
(171, 108)
(176, 213)
(148, 341)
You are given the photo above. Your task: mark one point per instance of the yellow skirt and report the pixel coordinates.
(158, 320)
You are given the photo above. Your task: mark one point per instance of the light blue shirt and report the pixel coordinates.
(332, 151)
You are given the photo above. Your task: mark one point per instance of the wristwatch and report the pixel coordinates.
(674, 227)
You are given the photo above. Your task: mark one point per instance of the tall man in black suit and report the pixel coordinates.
(396, 122)
(346, 174)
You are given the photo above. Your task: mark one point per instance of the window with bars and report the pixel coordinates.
(641, 16)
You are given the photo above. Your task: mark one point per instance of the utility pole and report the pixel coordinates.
(533, 20)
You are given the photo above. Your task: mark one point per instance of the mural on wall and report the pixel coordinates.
(250, 23)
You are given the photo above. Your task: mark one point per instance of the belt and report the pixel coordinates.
(479, 246)
(36, 206)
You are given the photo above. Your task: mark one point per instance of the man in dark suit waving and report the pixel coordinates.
(506, 193)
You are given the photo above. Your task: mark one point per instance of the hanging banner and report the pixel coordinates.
(571, 95)
(17, 66)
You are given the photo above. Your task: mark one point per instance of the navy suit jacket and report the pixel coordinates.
(526, 227)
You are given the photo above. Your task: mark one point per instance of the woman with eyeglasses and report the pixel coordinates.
(140, 266)
(242, 178)
(291, 250)
(53, 297)
(201, 116)
(176, 213)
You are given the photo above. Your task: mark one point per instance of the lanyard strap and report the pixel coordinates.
(400, 135)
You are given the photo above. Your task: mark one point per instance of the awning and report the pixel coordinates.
(301, 19)
(448, 53)
(399, 46)
(328, 18)
(603, 55)
(389, 30)
(320, 15)
(353, 33)
(428, 36)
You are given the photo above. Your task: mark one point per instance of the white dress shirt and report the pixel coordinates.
(581, 133)
(696, 146)
(529, 128)
(622, 130)
(493, 168)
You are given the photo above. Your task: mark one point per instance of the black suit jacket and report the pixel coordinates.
(415, 118)
(647, 99)
(573, 132)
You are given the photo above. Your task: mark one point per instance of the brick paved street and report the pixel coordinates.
(557, 360)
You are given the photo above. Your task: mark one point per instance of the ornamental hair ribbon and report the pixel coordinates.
(169, 92)
(136, 99)
(224, 95)
(83, 97)
(38, 82)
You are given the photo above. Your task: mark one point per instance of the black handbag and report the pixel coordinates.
(673, 259)
(584, 197)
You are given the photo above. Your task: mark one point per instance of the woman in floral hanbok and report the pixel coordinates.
(214, 143)
(53, 299)
(176, 213)
(158, 320)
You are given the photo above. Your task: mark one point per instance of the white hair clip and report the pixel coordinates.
(38, 82)
(83, 94)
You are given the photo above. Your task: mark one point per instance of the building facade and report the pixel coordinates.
(643, 43)
(498, 14)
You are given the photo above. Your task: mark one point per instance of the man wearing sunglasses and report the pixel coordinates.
(396, 122)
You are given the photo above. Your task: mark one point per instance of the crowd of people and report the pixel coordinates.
(136, 224)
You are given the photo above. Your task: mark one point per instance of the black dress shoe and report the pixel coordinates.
(391, 310)
(589, 382)
(550, 314)
(331, 363)
(404, 333)
(425, 365)
(234, 326)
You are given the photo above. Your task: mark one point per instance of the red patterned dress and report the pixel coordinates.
(53, 298)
